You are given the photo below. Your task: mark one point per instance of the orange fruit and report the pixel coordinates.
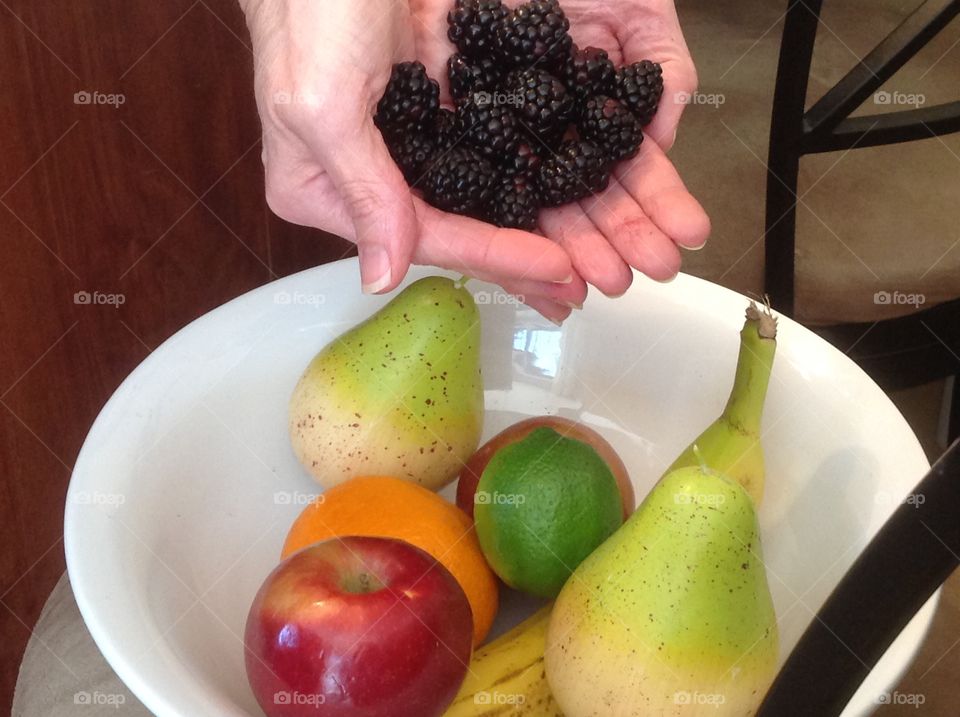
(382, 507)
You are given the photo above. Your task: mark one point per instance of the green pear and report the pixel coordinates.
(671, 615)
(398, 395)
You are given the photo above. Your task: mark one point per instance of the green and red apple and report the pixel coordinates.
(358, 627)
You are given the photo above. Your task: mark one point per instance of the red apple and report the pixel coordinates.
(358, 627)
(470, 475)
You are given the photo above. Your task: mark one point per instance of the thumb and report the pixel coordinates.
(380, 205)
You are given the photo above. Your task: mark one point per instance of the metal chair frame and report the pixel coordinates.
(908, 559)
(900, 352)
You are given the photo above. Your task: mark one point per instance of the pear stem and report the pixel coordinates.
(462, 281)
(758, 344)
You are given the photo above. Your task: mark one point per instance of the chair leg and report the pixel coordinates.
(953, 415)
(781, 227)
(786, 147)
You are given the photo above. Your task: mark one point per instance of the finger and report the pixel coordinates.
(572, 295)
(652, 180)
(553, 311)
(471, 246)
(592, 255)
(636, 238)
(379, 204)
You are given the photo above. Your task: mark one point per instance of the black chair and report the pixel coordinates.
(897, 353)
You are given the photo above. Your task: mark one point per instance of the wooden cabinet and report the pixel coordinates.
(129, 169)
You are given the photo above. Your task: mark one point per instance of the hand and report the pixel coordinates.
(646, 213)
(320, 68)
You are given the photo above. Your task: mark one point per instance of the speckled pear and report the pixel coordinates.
(672, 615)
(398, 395)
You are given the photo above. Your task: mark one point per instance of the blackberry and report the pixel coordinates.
(639, 87)
(490, 128)
(470, 76)
(413, 154)
(589, 72)
(609, 125)
(548, 144)
(513, 203)
(524, 161)
(535, 32)
(540, 101)
(460, 181)
(445, 129)
(410, 101)
(576, 171)
(473, 26)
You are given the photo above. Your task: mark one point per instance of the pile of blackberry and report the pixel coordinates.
(537, 122)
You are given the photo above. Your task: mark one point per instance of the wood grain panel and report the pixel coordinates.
(158, 199)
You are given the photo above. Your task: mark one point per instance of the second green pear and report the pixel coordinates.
(672, 615)
(398, 395)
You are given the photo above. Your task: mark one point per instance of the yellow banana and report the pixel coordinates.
(506, 677)
(731, 444)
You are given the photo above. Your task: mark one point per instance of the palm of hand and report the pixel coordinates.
(646, 213)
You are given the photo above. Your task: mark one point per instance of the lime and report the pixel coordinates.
(544, 504)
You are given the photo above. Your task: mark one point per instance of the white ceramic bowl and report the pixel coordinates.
(186, 485)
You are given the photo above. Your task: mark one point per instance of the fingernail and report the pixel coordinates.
(555, 322)
(565, 281)
(674, 140)
(668, 280)
(375, 269)
(572, 304)
(695, 248)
